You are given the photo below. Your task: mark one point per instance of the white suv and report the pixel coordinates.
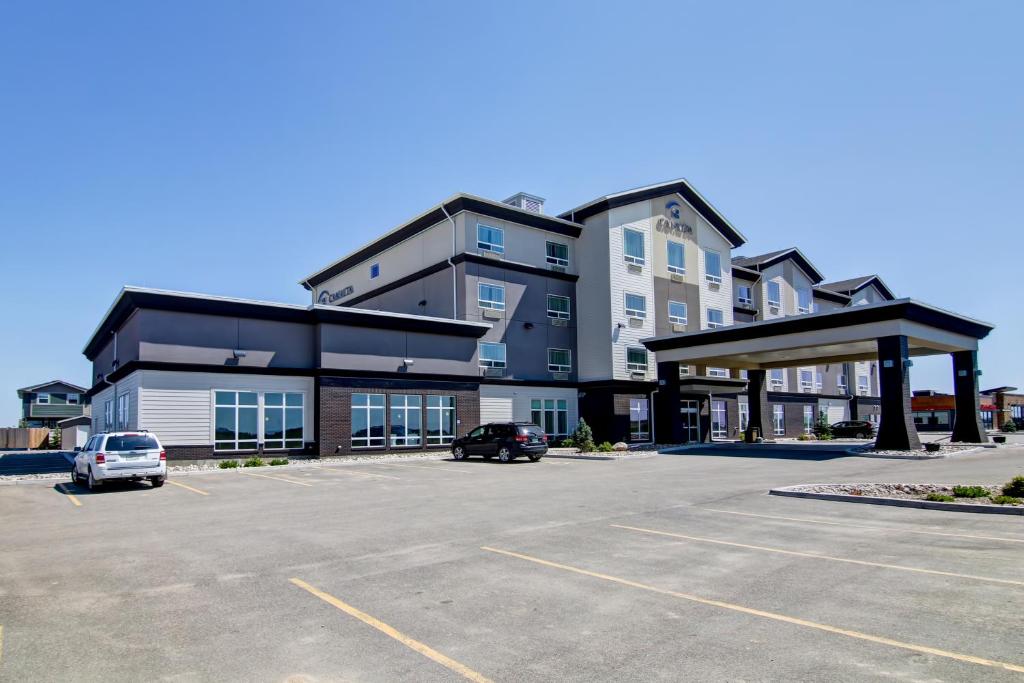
(120, 455)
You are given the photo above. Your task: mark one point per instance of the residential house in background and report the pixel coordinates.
(46, 404)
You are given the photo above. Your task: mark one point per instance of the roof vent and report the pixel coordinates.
(528, 202)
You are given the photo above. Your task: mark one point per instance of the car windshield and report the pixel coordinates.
(131, 442)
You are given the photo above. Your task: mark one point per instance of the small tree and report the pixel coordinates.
(583, 437)
(823, 430)
(55, 438)
(1009, 426)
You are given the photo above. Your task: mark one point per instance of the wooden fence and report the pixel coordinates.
(22, 437)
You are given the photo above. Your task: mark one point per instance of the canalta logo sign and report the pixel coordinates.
(330, 297)
(673, 223)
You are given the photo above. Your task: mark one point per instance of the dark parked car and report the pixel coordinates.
(506, 440)
(856, 429)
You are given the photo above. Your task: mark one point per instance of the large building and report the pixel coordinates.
(473, 311)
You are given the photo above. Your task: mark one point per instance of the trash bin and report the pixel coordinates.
(752, 435)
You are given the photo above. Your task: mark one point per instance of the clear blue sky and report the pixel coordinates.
(233, 147)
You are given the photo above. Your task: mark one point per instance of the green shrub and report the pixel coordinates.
(970, 492)
(567, 442)
(254, 461)
(1009, 426)
(605, 447)
(279, 461)
(805, 437)
(1014, 487)
(822, 429)
(940, 497)
(228, 464)
(1006, 500)
(583, 437)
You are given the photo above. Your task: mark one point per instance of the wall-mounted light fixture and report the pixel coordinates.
(409, 362)
(238, 353)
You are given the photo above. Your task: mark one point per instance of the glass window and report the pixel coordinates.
(633, 246)
(636, 359)
(108, 415)
(819, 382)
(73, 399)
(283, 420)
(808, 419)
(236, 420)
(43, 399)
(551, 415)
(489, 238)
(676, 258)
(841, 386)
(863, 385)
(718, 372)
(744, 416)
(806, 380)
(122, 411)
(774, 294)
(743, 295)
(677, 312)
(803, 301)
(775, 379)
(713, 266)
(715, 318)
(639, 420)
(779, 419)
(138, 442)
(367, 420)
(636, 306)
(719, 420)
(558, 307)
(406, 420)
(374, 270)
(492, 355)
(440, 420)
(559, 360)
(491, 296)
(557, 254)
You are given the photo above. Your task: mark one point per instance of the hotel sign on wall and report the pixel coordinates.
(672, 223)
(330, 297)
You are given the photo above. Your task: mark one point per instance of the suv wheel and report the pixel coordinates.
(534, 458)
(157, 481)
(861, 435)
(459, 453)
(75, 479)
(92, 482)
(504, 454)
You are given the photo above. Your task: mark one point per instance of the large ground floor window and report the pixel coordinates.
(744, 416)
(244, 419)
(808, 419)
(237, 420)
(779, 419)
(719, 420)
(639, 420)
(440, 420)
(551, 415)
(367, 420)
(283, 420)
(406, 420)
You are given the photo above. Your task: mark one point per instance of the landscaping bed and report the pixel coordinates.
(1005, 498)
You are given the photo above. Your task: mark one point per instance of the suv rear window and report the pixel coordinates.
(528, 430)
(140, 442)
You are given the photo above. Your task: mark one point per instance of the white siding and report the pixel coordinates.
(714, 296)
(128, 386)
(622, 279)
(500, 403)
(178, 406)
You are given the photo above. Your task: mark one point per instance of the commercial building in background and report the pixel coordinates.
(475, 311)
(936, 412)
(46, 404)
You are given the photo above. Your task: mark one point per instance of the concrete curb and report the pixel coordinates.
(900, 502)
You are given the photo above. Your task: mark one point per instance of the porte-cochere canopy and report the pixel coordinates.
(891, 332)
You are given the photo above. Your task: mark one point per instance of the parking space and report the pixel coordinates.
(671, 567)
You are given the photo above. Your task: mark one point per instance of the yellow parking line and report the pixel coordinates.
(267, 476)
(924, 649)
(443, 468)
(70, 496)
(816, 556)
(1, 643)
(410, 643)
(864, 526)
(358, 474)
(185, 486)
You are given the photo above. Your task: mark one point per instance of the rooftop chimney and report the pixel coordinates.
(529, 202)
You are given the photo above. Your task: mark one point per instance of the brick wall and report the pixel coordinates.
(336, 416)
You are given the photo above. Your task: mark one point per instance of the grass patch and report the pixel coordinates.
(254, 461)
(228, 464)
(1014, 487)
(279, 461)
(970, 492)
(940, 497)
(1006, 500)
(605, 447)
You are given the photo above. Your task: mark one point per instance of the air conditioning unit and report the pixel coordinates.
(637, 375)
(559, 322)
(676, 277)
(494, 372)
(636, 322)
(557, 269)
(491, 254)
(634, 268)
(560, 376)
(678, 328)
(491, 314)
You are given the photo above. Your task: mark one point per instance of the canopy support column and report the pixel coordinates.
(757, 403)
(967, 421)
(896, 430)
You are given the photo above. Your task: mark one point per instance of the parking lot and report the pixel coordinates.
(672, 567)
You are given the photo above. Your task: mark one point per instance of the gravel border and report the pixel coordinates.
(807, 491)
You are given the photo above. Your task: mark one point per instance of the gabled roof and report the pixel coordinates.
(748, 274)
(823, 293)
(855, 284)
(434, 215)
(131, 298)
(679, 186)
(762, 261)
(37, 387)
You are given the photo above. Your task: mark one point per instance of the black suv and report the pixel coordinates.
(857, 429)
(507, 440)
